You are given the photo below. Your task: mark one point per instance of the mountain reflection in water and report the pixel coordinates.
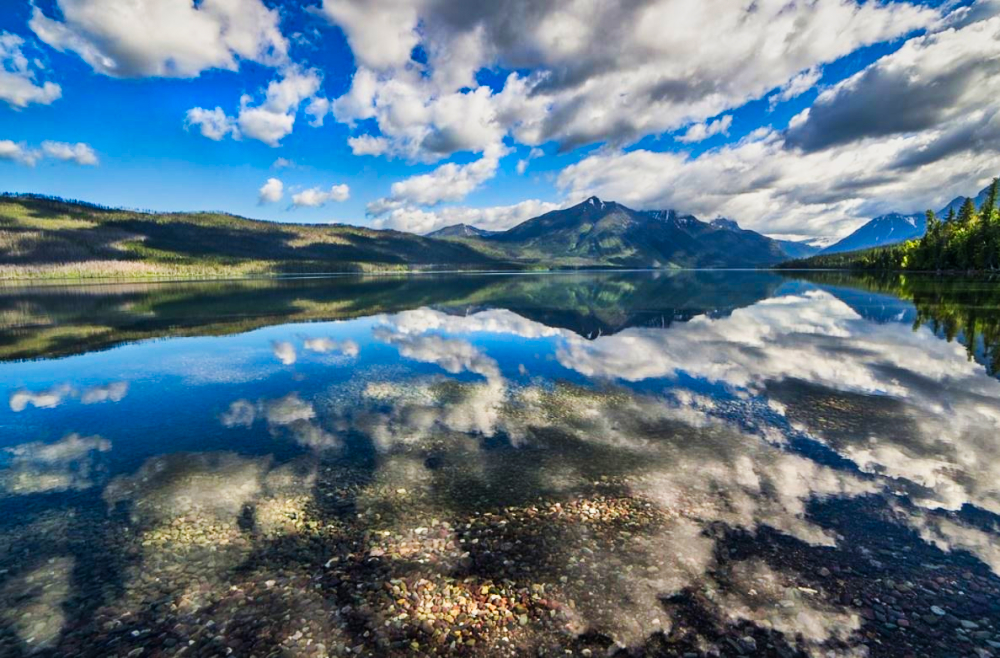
(694, 463)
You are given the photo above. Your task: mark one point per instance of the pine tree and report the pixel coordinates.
(967, 212)
(991, 226)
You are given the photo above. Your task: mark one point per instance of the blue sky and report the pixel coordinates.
(794, 118)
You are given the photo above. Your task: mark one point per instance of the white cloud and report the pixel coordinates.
(271, 191)
(381, 34)
(318, 108)
(113, 392)
(522, 165)
(316, 196)
(940, 84)
(48, 399)
(79, 153)
(603, 72)
(797, 86)
(283, 163)
(164, 38)
(274, 118)
(702, 131)
(19, 86)
(18, 152)
(496, 218)
(284, 351)
(287, 410)
(241, 413)
(368, 145)
(214, 124)
(325, 345)
(449, 182)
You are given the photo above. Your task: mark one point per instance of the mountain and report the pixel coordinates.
(54, 238)
(459, 231)
(795, 249)
(881, 231)
(894, 228)
(599, 233)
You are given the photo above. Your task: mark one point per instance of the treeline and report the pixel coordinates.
(968, 240)
(62, 201)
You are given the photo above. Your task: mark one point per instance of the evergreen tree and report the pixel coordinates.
(990, 223)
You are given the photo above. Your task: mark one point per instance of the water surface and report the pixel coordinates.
(693, 463)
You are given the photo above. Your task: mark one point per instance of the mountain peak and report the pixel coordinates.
(594, 201)
(724, 223)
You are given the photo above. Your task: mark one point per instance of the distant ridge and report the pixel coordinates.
(894, 228)
(460, 231)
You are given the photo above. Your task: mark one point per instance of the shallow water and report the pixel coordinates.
(693, 463)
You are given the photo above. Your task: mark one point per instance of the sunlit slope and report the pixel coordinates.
(54, 238)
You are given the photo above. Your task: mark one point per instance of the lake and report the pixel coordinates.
(587, 464)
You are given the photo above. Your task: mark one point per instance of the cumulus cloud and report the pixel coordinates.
(273, 118)
(79, 153)
(929, 82)
(19, 84)
(495, 218)
(271, 191)
(702, 131)
(113, 392)
(50, 398)
(19, 152)
(326, 345)
(284, 351)
(449, 182)
(316, 197)
(594, 73)
(163, 38)
(287, 410)
(213, 124)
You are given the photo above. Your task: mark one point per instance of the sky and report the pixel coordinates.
(796, 118)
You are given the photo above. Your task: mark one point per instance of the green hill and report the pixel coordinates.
(53, 238)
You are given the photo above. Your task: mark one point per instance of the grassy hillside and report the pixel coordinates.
(50, 238)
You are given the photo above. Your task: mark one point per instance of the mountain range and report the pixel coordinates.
(894, 228)
(597, 233)
(55, 238)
